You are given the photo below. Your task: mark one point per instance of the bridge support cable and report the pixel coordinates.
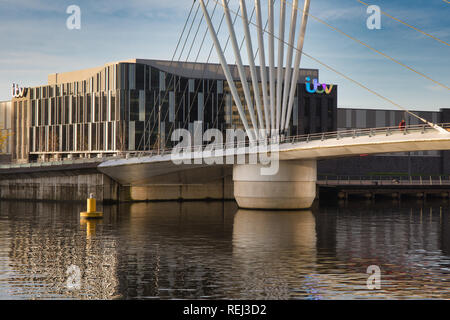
(271, 67)
(248, 41)
(432, 125)
(376, 51)
(240, 67)
(187, 85)
(172, 81)
(196, 33)
(209, 57)
(262, 65)
(205, 68)
(280, 62)
(306, 13)
(184, 29)
(298, 56)
(225, 48)
(142, 140)
(224, 65)
(288, 72)
(409, 26)
(189, 32)
(263, 74)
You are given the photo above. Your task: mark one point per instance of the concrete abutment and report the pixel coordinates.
(292, 187)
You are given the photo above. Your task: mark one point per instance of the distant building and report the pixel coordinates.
(5, 131)
(420, 162)
(136, 104)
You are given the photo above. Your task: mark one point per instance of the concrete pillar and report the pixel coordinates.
(293, 187)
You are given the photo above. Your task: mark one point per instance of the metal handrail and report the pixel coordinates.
(353, 133)
(429, 180)
(369, 132)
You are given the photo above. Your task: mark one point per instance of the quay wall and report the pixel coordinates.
(59, 187)
(75, 183)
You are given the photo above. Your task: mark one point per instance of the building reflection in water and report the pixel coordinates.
(176, 249)
(213, 250)
(407, 240)
(45, 239)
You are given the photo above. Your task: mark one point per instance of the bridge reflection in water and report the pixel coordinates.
(213, 250)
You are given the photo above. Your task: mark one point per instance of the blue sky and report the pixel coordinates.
(35, 42)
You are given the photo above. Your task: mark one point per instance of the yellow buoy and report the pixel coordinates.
(91, 209)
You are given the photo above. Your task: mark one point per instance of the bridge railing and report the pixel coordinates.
(354, 133)
(384, 180)
(366, 132)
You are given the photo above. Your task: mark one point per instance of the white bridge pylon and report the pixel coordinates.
(274, 107)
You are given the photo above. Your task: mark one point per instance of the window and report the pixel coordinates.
(88, 107)
(59, 110)
(200, 106)
(134, 105)
(113, 106)
(74, 109)
(162, 81)
(219, 86)
(104, 107)
(46, 112)
(319, 107)
(140, 75)
(132, 76)
(33, 113)
(53, 111)
(81, 110)
(154, 78)
(39, 111)
(66, 110)
(307, 106)
(96, 108)
(330, 107)
(171, 106)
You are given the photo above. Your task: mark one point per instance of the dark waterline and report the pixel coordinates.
(213, 250)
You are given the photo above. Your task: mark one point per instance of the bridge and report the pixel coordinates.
(271, 169)
(293, 184)
(265, 110)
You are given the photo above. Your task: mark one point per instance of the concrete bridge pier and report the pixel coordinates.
(292, 187)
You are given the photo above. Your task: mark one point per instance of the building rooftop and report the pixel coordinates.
(185, 69)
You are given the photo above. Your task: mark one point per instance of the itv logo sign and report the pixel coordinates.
(18, 92)
(317, 87)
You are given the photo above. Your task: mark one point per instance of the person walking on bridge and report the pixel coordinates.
(402, 125)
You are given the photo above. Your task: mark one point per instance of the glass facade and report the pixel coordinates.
(349, 119)
(130, 106)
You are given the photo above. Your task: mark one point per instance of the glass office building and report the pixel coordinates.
(136, 104)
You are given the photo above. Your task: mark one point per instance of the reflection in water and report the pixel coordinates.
(267, 247)
(213, 250)
(407, 241)
(175, 250)
(44, 242)
(91, 226)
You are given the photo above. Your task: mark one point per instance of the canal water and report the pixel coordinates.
(213, 250)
